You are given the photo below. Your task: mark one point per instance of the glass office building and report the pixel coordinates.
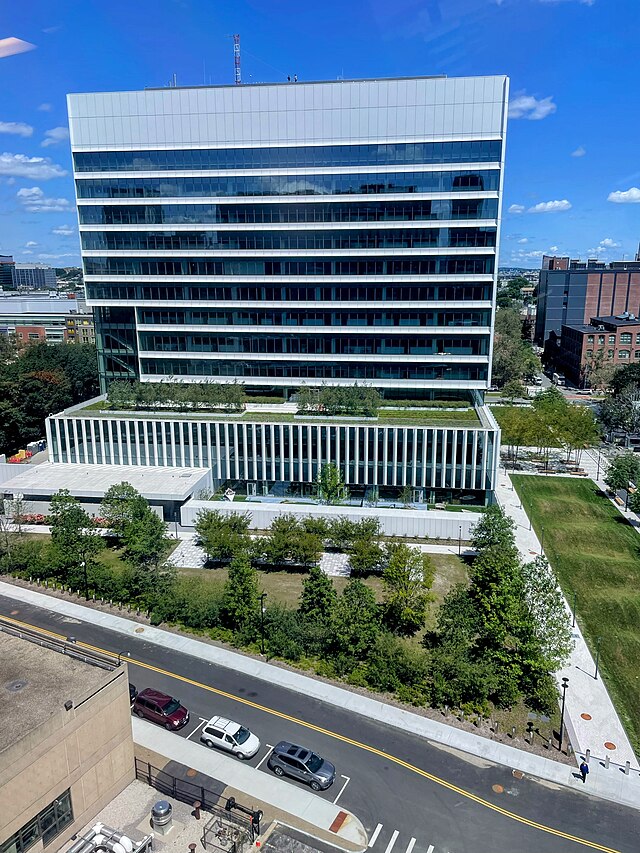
(290, 234)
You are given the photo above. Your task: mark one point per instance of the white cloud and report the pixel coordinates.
(553, 248)
(35, 201)
(516, 208)
(530, 107)
(579, 152)
(63, 231)
(35, 168)
(523, 240)
(27, 252)
(550, 206)
(12, 46)
(46, 257)
(30, 245)
(609, 243)
(45, 108)
(17, 128)
(630, 196)
(54, 136)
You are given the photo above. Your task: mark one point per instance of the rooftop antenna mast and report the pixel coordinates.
(236, 58)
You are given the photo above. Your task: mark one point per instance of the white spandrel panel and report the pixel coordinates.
(307, 112)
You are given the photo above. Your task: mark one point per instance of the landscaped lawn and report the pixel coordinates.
(595, 554)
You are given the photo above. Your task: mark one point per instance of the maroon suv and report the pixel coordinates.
(160, 708)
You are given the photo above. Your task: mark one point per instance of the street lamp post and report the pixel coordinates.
(86, 580)
(542, 540)
(459, 540)
(262, 598)
(598, 471)
(598, 639)
(565, 684)
(175, 521)
(575, 597)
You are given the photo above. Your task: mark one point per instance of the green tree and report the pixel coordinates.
(514, 390)
(552, 625)
(407, 579)
(144, 538)
(241, 596)
(578, 430)
(623, 471)
(517, 429)
(73, 537)
(119, 506)
(513, 357)
(366, 557)
(318, 597)
(495, 529)
(331, 487)
(356, 621)
(223, 535)
(621, 411)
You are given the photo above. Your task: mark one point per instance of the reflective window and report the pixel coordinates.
(298, 157)
(468, 264)
(370, 211)
(400, 238)
(287, 185)
(45, 825)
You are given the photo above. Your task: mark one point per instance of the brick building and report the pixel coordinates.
(604, 339)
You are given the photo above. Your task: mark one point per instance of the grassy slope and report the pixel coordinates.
(596, 554)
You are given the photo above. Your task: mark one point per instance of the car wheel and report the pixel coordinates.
(315, 786)
(278, 771)
(168, 727)
(239, 755)
(139, 714)
(209, 743)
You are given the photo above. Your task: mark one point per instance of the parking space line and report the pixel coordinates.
(347, 779)
(410, 845)
(376, 833)
(431, 848)
(392, 842)
(265, 756)
(199, 726)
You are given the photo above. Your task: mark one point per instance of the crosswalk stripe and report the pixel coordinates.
(392, 842)
(410, 845)
(376, 833)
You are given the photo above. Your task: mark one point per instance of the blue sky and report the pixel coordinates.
(573, 158)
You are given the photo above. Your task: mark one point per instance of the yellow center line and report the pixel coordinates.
(336, 736)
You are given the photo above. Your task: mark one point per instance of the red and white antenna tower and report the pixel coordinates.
(236, 58)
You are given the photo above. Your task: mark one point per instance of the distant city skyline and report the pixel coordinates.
(572, 181)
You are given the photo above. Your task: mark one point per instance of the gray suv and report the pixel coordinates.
(287, 759)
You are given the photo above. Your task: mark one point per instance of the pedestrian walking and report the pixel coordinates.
(584, 771)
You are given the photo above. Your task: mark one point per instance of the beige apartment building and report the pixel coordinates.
(66, 746)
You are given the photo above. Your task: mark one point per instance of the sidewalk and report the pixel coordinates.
(590, 715)
(279, 800)
(611, 784)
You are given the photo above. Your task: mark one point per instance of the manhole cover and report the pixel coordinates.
(191, 772)
(586, 716)
(138, 630)
(15, 612)
(15, 686)
(497, 789)
(517, 774)
(610, 745)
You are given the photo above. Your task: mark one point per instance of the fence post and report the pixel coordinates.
(627, 768)
(587, 755)
(606, 762)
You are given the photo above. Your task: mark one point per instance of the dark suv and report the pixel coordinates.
(160, 708)
(287, 759)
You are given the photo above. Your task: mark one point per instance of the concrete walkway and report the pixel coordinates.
(611, 784)
(278, 799)
(590, 716)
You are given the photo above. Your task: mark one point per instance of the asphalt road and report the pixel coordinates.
(412, 796)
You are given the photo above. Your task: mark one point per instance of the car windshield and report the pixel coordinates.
(171, 707)
(314, 762)
(242, 735)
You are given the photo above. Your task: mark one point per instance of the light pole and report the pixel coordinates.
(598, 639)
(175, 521)
(460, 540)
(542, 540)
(573, 622)
(598, 471)
(86, 580)
(565, 684)
(262, 598)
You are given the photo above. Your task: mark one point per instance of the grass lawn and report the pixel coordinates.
(595, 553)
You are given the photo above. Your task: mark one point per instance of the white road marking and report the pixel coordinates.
(430, 850)
(199, 726)
(376, 833)
(265, 756)
(347, 780)
(410, 845)
(392, 842)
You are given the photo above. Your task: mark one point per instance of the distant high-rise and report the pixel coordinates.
(7, 265)
(34, 277)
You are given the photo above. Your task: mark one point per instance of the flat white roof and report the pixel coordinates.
(92, 481)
